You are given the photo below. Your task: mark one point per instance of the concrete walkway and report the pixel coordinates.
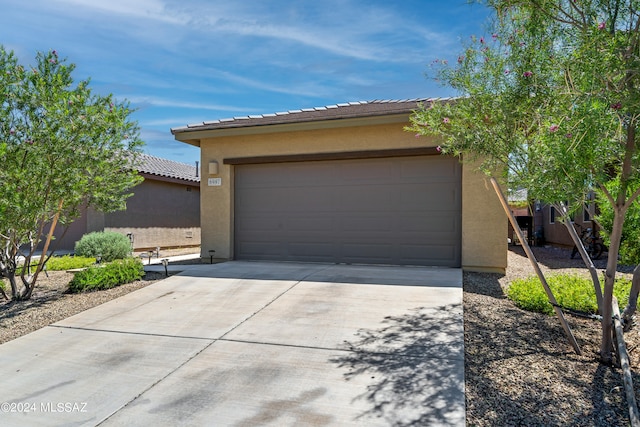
(251, 344)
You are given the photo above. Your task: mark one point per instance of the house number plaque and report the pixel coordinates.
(214, 182)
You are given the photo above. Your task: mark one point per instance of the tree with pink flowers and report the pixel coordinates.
(552, 98)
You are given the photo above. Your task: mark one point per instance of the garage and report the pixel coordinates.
(343, 183)
(391, 210)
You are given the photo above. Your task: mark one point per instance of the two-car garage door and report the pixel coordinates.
(392, 210)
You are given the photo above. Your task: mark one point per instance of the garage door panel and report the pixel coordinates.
(310, 223)
(369, 253)
(438, 225)
(365, 224)
(373, 172)
(429, 198)
(317, 250)
(366, 199)
(437, 255)
(389, 211)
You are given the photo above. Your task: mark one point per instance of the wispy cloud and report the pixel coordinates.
(141, 9)
(164, 102)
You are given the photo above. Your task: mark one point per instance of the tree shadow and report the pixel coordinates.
(413, 367)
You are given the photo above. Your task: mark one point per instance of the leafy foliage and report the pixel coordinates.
(62, 147)
(107, 244)
(571, 291)
(630, 240)
(107, 276)
(552, 97)
(68, 262)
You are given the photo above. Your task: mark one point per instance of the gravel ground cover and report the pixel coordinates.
(519, 367)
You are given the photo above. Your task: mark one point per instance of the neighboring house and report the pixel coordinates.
(164, 210)
(555, 231)
(342, 184)
(542, 224)
(521, 210)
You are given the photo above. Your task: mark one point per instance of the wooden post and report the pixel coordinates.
(536, 267)
(634, 417)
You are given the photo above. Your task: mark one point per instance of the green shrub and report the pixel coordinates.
(571, 291)
(107, 276)
(68, 262)
(108, 244)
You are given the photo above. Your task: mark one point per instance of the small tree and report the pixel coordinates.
(552, 95)
(64, 147)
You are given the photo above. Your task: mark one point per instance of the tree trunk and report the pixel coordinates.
(585, 257)
(606, 346)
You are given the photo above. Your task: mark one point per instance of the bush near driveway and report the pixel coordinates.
(107, 276)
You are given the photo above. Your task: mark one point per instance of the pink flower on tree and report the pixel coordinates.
(527, 74)
(553, 128)
(616, 106)
(446, 120)
(439, 149)
(602, 25)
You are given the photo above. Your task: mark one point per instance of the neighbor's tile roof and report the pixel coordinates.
(166, 168)
(330, 112)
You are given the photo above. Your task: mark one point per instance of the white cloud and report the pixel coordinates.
(164, 102)
(142, 9)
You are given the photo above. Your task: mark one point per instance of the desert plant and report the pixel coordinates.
(68, 262)
(63, 148)
(571, 291)
(109, 245)
(107, 276)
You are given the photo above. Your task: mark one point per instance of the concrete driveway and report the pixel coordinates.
(251, 344)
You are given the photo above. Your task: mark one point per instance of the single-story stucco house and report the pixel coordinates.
(164, 210)
(342, 184)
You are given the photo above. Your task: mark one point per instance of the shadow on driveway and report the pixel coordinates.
(411, 385)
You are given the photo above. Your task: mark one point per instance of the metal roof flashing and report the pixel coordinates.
(339, 115)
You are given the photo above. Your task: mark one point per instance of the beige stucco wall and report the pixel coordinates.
(483, 223)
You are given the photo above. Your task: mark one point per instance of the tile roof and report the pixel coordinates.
(166, 168)
(330, 112)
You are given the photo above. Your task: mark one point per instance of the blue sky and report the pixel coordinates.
(188, 61)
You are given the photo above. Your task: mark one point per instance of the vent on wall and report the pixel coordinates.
(188, 234)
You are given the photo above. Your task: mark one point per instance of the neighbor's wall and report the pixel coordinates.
(556, 233)
(159, 213)
(482, 215)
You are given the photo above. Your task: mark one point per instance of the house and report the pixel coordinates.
(342, 184)
(164, 210)
(555, 231)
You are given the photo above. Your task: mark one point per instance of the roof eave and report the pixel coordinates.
(193, 135)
